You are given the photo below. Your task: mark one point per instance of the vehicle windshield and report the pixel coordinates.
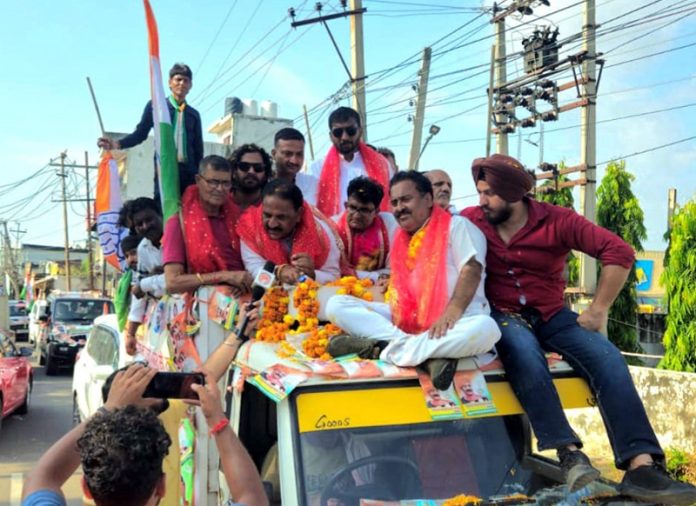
(80, 310)
(436, 460)
(17, 311)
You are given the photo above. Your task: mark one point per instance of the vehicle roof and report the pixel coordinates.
(108, 320)
(77, 295)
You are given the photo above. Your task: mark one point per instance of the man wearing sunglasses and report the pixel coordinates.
(347, 159)
(251, 170)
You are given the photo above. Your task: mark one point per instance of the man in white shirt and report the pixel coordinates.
(288, 157)
(285, 230)
(442, 189)
(437, 310)
(347, 159)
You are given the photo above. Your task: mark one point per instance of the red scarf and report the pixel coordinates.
(203, 251)
(329, 200)
(310, 237)
(418, 296)
(367, 250)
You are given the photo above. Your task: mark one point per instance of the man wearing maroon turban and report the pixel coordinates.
(528, 242)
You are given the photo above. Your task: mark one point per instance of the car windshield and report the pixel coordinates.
(436, 460)
(80, 310)
(17, 311)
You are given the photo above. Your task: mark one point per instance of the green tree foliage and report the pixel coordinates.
(618, 210)
(562, 197)
(679, 281)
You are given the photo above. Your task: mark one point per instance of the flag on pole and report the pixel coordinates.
(106, 208)
(165, 150)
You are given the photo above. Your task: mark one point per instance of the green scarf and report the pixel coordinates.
(122, 299)
(179, 130)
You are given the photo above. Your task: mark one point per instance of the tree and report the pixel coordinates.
(679, 281)
(618, 210)
(562, 197)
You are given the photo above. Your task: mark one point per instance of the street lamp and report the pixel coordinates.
(432, 132)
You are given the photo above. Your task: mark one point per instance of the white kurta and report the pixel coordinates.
(330, 271)
(308, 184)
(348, 172)
(474, 333)
(149, 260)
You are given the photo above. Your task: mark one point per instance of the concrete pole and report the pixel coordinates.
(588, 142)
(65, 220)
(489, 116)
(500, 78)
(90, 258)
(420, 110)
(309, 132)
(671, 206)
(357, 51)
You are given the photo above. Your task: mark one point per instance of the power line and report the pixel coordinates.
(215, 37)
(649, 150)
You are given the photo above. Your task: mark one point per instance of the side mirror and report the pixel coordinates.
(25, 352)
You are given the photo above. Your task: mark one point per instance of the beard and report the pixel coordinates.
(498, 217)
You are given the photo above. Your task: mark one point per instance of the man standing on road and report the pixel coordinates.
(347, 159)
(188, 132)
(288, 156)
(528, 242)
(251, 170)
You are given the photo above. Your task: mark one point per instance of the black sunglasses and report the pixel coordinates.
(246, 166)
(338, 132)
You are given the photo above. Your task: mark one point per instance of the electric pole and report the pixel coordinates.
(420, 110)
(500, 75)
(588, 142)
(90, 258)
(62, 176)
(357, 51)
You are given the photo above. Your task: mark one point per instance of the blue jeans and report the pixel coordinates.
(594, 358)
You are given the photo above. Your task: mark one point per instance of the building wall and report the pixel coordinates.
(42, 255)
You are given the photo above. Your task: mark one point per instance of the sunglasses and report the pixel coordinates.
(338, 132)
(246, 166)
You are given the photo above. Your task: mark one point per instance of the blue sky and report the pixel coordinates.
(50, 47)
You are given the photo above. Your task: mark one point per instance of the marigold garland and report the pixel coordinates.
(272, 326)
(307, 306)
(414, 246)
(462, 500)
(315, 344)
(350, 285)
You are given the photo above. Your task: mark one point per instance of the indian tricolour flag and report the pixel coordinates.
(165, 150)
(106, 208)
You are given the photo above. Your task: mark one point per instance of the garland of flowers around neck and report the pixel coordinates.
(414, 246)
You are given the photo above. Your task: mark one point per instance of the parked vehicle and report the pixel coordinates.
(104, 353)
(16, 377)
(19, 320)
(68, 319)
(38, 310)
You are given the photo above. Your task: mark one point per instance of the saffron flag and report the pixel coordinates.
(165, 150)
(106, 207)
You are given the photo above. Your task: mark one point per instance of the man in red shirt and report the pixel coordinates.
(528, 242)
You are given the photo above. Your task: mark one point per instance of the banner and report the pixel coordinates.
(106, 207)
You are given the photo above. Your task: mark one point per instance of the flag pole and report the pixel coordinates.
(96, 106)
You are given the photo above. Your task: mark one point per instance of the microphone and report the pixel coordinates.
(263, 281)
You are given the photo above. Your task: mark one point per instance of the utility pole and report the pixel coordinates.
(357, 52)
(500, 76)
(62, 176)
(17, 234)
(309, 132)
(671, 206)
(90, 258)
(588, 142)
(420, 110)
(10, 267)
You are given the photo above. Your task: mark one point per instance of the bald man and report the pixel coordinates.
(442, 188)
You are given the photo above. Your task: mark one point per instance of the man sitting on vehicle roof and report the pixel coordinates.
(290, 233)
(528, 242)
(201, 246)
(437, 311)
(367, 233)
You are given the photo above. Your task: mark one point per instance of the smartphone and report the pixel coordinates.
(174, 385)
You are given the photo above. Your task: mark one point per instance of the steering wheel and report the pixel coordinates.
(329, 493)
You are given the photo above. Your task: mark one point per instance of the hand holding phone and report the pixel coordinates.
(174, 385)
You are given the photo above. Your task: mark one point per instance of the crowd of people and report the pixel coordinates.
(456, 284)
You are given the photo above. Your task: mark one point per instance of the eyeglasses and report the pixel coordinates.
(246, 166)
(338, 132)
(216, 183)
(362, 210)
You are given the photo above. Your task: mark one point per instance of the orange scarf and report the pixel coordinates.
(329, 200)
(366, 251)
(203, 251)
(418, 293)
(310, 237)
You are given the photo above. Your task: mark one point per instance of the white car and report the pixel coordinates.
(104, 353)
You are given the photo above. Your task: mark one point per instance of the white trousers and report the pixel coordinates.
(470, 336)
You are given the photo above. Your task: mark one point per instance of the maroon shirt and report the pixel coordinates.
(529, 270)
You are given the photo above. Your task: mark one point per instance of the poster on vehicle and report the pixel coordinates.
(473, 394)
(277, 381)
(441, 404)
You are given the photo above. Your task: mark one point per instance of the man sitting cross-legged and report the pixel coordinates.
(367, 233)
(437, 308)
(285, 230)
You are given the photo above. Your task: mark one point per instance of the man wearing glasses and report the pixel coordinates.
(201, 245)
(347, 159)
(251, 170)
(367, 233)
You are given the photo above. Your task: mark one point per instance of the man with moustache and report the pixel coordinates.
(288, 157)
(251, 170)
(442, 189)
(188, 132)
(528, 242)
(437, 311)
(347, 159)
(285, 230)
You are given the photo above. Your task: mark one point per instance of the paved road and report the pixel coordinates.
(23, 439)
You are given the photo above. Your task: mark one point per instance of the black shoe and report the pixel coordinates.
(652, 483)
(577, 469)
(441, 371)
(344, 344)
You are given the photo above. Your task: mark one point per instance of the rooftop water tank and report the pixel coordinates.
(251, 107)
(269, 109)
(233, 105)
